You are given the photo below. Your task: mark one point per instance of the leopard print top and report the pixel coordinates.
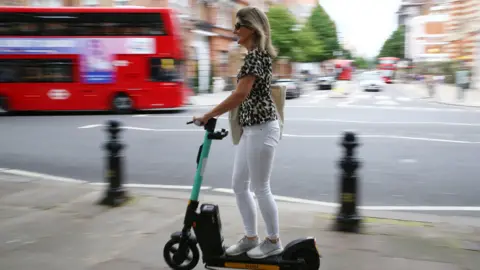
(258, 107)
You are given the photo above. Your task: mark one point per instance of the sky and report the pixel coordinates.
(366, 24)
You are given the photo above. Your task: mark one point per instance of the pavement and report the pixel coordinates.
(445, 94)
(416, 155)
(57, 225)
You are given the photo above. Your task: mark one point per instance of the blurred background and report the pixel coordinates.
(422, 37)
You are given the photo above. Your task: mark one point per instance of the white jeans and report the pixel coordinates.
(253, 164)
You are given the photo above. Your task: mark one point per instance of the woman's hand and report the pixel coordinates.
(202, 119)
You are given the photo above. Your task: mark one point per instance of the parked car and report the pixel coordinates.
(325, 82)
(372, 81)
(293, 87)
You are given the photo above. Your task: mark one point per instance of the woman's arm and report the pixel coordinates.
(244, 87)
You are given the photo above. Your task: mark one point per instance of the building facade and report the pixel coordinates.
(408, 10)
(462, 33)
(427, 32)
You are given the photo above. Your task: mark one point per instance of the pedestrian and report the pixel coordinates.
(261, 132)
(430, 82)
(462, 80)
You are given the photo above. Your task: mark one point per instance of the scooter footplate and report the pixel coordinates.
(244, 262)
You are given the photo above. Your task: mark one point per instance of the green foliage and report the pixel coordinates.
(325, 30)
(315, 42)
(307, 48)
(361, 63)
(347, 54)
(394, 46)
(282, 23)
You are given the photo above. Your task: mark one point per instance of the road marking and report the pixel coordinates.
(407, 160)
(362, 96)
(385, 137)
(154, 186)
(403, 99)
(283, 198)
(328, 120)
(40, 176)
(316, 99)
(382, 97)
(230, 191)
(91, 126)
(381, 123)
(163, 130)
(386, 102)
(378, 208)
(409, 108)
(320, 136)
(346, 103)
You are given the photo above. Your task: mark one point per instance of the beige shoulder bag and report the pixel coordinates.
(278, 96)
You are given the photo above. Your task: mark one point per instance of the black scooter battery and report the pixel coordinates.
(208, 230)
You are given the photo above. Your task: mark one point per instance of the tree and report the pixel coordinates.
(325, 30)
(394, 46)
(300, 46)
(307, 47)
(361, 63)
(347, 54)
(282, 24)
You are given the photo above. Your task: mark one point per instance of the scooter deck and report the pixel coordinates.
(242, 261)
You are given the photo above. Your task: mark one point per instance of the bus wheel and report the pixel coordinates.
(122, 103)
(4, 105)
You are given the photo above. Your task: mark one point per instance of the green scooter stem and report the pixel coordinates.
(202, 162)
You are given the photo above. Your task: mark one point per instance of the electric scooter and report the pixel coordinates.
(181, 251)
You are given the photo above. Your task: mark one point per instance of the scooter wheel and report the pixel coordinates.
(191, 259)
(310, 257)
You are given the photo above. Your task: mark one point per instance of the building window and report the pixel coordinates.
(121, 3)
(178, 4)
(223, 57)
(12, 3)
(181, 7)
(46, 3)
(90, 3)
(224, 17)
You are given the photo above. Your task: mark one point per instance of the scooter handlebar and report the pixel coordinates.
(196, 122)
(214, 135)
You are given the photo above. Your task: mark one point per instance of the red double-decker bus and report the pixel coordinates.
(80, 58)
(343, 69)
(388, 66)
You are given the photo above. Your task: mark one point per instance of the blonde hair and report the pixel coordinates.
(258, 21)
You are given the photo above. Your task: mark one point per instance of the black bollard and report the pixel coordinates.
(115, 195)
(348, 219)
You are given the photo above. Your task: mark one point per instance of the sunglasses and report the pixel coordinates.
(239, 25)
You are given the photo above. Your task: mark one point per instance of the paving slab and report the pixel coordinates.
(48, 225)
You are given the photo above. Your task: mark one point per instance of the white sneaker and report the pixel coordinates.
(243, 245)
(265, 249)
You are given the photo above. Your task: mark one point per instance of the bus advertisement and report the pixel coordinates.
(69, 59)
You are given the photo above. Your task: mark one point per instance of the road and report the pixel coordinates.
(413, 153)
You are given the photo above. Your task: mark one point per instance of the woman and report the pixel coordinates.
(261, 133)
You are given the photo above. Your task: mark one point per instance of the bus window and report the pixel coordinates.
(82, 24)
(55, 29)
(164, 70)
(36, 70)
(9, 71)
